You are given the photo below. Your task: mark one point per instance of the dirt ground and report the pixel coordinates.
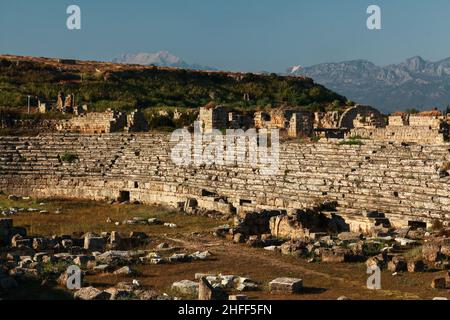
(193, 233)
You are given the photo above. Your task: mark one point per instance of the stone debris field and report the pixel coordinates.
(224, 258)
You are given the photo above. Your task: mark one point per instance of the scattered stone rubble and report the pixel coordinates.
(6, 212)
(215, 286)
(148, 221)
(47, 259)
(313, 236)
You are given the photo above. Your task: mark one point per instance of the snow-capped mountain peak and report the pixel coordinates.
(160, 58)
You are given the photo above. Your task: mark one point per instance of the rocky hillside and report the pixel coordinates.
(415, 83)
(103, 85)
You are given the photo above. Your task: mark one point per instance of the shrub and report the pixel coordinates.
(54, 269)
(351, 142)
(68, 157)
(315, 138)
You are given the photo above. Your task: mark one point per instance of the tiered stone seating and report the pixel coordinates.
(404, 182)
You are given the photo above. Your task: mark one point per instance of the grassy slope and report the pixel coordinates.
(125, 87)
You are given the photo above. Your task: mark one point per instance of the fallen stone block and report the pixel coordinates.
(186, 287)
(114, 258)
(179, 257)
(38, 257)
(94, 243)
(119, 294)
(67, 243)
(163, 245)
(102, 268)
(286, 285)
(170, 225)
(91, 293)
(200, 255)
(207, 292)
(247, 287)
(245, 284)
(272, 248)
(130, 286)
(238, 297)
(154, 221)
(294, 248)
(124, 271)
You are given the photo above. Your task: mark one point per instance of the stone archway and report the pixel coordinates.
(346, 119)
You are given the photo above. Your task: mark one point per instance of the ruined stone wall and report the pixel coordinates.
(421, 121)
(350, 114)
(326, 120)
(301, 123)
(401, 120)
(43, 125)
(400, 134)
(407, 183)
(95, 122)
(213, 117)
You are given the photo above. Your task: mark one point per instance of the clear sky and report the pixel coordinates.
(248, 35)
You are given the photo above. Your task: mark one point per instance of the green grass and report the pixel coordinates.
(351, 142)
(54, 269)
(413, 253)
(68, 157)
(82, 216)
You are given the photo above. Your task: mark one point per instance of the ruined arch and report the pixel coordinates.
(346, 119)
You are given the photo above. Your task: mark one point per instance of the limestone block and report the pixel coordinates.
(286, 285)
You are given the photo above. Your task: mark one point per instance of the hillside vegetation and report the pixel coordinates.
(104, 85)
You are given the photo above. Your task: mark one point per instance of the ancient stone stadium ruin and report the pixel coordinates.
(402, 183)
(94, 206)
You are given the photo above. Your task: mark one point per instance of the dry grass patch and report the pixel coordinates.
(91, 216)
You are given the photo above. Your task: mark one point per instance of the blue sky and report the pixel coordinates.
(247, 35)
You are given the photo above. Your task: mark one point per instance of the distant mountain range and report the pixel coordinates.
(161, 58)
(415, 83)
